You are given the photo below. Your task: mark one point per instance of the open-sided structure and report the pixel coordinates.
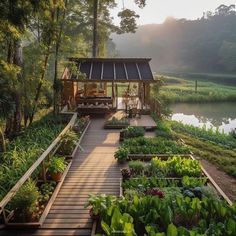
(96, 85)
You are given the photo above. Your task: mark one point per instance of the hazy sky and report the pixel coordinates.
(156, 11)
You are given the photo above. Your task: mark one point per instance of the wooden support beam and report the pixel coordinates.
(126, 73)
(139, 74)
(91, 70)
(102, 71)
(114, 70)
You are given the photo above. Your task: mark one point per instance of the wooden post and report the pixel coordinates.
(148, 94)
(105, 88)
(142, 96)
(195, 86)
(112, 93)
(116, 94)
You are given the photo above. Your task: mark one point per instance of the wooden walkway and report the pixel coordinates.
(93, 171)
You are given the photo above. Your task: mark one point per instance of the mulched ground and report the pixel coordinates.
(225, 182)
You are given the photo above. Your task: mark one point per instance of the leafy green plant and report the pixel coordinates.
(25, 201)
(100, 203)
(121, 224)
(114, 121)
(121, 154)
(68, 143)
(144, 145)
(191, 182)
(177, 166)
(133, 132)
(176, 215)
(136, 167)
(163, 129)
(46, 190)
(57, 165)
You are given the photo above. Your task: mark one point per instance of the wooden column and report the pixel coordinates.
(148, 94)
(105, 88)
(116, 92)
(142, 96)
(112, 93)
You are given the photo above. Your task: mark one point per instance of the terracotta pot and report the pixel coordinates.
(121, 161)
(94, 217)
(122, 134)
(56, 176)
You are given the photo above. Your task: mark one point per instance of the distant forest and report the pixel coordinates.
(207, 44)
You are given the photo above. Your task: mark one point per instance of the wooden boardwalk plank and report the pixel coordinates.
(92, 171)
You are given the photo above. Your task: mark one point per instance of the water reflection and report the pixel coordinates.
(221, 115)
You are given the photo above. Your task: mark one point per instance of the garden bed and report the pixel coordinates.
(29, 201)
(39, 222)
(144, 147)
(115, 123)
(187, 203)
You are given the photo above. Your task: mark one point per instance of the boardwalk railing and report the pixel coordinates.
(40, 161)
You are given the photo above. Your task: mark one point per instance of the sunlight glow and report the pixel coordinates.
(156, 11)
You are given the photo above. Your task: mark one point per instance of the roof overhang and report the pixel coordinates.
(113, 70)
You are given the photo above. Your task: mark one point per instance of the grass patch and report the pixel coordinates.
(181, 90)
(206, 135)
(23, 151)
(223, 158)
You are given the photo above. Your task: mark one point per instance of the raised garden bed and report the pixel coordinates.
(37, 223)
(116, 123)
(144, 146)
(190, 205)
(29, 201)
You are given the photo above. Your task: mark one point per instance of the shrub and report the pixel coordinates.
(121, 154)
(25, 201)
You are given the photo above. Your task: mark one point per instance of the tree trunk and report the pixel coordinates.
(95, 24)
(38, 89)
(18, 60)
(2, 142)
(57, 47)
(13, 122)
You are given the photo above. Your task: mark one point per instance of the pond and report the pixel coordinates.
(210, 115)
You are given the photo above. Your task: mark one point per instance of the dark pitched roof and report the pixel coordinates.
(115, 69)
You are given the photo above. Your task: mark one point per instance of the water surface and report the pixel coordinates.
(215, 115)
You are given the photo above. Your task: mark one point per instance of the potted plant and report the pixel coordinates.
(56, 168)
(121, 154)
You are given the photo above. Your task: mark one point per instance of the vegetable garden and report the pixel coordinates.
(165, 197)
(169, 194)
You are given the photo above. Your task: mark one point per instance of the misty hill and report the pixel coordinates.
(204, 45)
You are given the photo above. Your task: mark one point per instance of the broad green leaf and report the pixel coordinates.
(106, 228)
(172, 230)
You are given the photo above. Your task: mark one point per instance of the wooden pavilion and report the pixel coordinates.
(92, 84)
